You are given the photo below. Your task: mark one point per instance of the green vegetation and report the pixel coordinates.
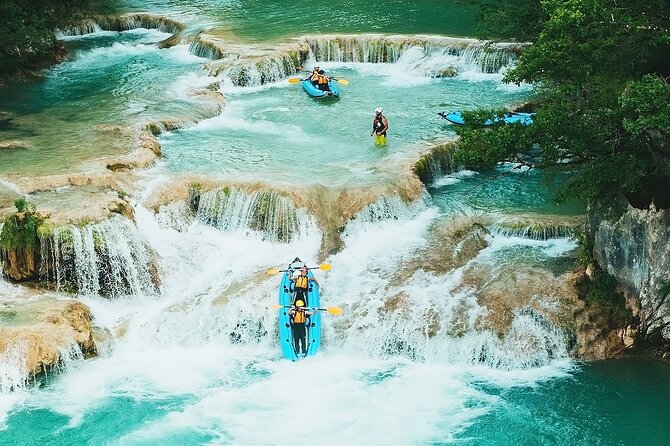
(27, 39)
(440, 158)
(19, 232)
(600, 70)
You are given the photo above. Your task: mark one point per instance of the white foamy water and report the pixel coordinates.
(208, 340)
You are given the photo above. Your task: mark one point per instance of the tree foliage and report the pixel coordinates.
(27, 37)
(600, 69)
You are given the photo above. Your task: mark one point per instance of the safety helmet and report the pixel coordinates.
(378, 110)
(299, 303)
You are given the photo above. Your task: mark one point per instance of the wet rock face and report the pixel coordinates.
(20, 265)
(38, 335)
(635, 249)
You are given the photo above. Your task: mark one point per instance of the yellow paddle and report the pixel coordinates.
(323, 267)
(297, 80)
(332, 310)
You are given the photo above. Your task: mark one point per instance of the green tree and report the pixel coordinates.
(27, 37)
(600, 70)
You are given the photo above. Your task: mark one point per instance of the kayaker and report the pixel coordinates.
(314, 76)
(301, 284)
(298, 314)
(322, 81)
(379, 127)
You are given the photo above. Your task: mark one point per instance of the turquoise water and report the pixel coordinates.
(69, 116)
(514, 191)
(604, 403)
(409, 362)
(254, 20)
(327, 141)
(621, 402)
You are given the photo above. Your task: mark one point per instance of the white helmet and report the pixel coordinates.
(378, 110)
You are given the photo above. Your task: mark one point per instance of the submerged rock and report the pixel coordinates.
(13, 144)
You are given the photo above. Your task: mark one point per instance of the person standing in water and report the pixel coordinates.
(379, 127)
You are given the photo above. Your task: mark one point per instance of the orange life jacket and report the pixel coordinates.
(301, 282)
(314, 76)
(322, 79)
(299, 316)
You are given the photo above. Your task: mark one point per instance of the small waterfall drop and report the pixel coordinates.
(266, 212)
(106, 258)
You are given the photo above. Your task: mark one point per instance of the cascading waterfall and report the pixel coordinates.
(534, 232)
(122, 23)
(436, 163)
(100, 258)
(422, 315)
(263, 71)
(209, 50)
(13, 369)
(14, 373)
(427, 56)
(454, 53)
(388, 208)
(267, 212)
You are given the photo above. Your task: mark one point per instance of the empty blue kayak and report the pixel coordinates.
(455, 117)
(313, 324)
(316, 93)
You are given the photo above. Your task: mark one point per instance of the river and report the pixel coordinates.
(453, 329)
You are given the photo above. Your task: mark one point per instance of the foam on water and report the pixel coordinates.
(208, 341)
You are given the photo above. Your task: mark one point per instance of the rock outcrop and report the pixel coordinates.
(38, 335)
(635, 249)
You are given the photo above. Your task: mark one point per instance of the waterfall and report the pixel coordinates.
(13, 369)
(207, 49)
(388, 208)
(436, 163)
(440, 55)
(264, 70)
(122, 23)
(14, 372)
(266, 212)
(533, 232)
(105, 258)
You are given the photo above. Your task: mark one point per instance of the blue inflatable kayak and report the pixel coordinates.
(316, 93)
(455, 117)
(313, 324)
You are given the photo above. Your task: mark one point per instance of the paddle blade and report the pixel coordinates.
(343, 81)
(272, 271)
(335, 310)
(276, 306)
(325, 267)
(294, 80)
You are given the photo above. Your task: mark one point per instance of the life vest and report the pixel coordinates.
(301, 282)
(322, 79)
(314, 76)
(299, 316)
(378, 125)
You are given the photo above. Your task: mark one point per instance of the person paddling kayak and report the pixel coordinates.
(301, 284)
(298, 315)
(379, 127)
